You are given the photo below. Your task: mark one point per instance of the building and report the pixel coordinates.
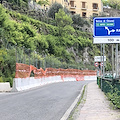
(85, 8)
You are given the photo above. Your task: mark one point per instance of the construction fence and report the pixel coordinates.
(24, 81)
(24, 71)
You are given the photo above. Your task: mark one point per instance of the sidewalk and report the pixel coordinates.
(97, 107)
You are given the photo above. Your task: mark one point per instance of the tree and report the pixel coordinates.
(105, 2)
(114, 4)
(3, 16)
(65, 29)
(43, 2)
(54, 9)
(3, 20)
(66, 11)
(77, 20)
(20, 3)
(62, 20)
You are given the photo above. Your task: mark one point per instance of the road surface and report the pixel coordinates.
(48, 102)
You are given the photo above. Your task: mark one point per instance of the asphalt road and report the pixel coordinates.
(48, 102)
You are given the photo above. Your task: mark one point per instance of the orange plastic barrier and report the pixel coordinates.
(23, 71)
(79, 77)
(38, 73)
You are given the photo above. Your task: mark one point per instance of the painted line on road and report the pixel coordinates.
(70, 109)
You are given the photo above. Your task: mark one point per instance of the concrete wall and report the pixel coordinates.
(5, 87)
(20, 84)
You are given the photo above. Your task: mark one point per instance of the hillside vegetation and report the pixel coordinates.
(61, 43)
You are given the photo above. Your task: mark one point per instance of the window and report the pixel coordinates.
(83, 14)
(95, 6)
(83, 5)
(72, 3)
(95, 14)
(72, 12)
(65, 0)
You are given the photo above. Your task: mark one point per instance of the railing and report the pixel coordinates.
(95, 9)
(72, 7)
(73, 0)
(84, 7)
(108, 84)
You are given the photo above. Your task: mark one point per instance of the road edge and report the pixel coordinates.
(71, 108)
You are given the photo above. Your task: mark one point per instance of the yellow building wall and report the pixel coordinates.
(88, 7)
(77, 7)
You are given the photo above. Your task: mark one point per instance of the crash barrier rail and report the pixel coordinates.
(23, 81)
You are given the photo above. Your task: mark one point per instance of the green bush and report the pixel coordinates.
(1, 79)
(111, 90)
(114, 97)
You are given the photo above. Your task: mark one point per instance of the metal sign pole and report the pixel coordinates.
(101, 67)
(103, 60)
(116, 60)
(112, 59)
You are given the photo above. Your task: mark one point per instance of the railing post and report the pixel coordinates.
(29, 56)
(16, 53)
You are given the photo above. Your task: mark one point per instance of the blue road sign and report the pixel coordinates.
(106, 30)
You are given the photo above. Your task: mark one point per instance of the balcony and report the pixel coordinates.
(84, 8)
(95, 9)
(72, 7)
(72, 0)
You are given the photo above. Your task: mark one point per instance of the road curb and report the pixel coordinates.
(71, 108)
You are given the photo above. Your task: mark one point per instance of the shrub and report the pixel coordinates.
(54, 9)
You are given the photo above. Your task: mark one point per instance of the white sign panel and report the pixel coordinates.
(106, 40)
(98, 58)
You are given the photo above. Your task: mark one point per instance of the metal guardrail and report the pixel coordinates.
(108, 79)
(111, 79)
